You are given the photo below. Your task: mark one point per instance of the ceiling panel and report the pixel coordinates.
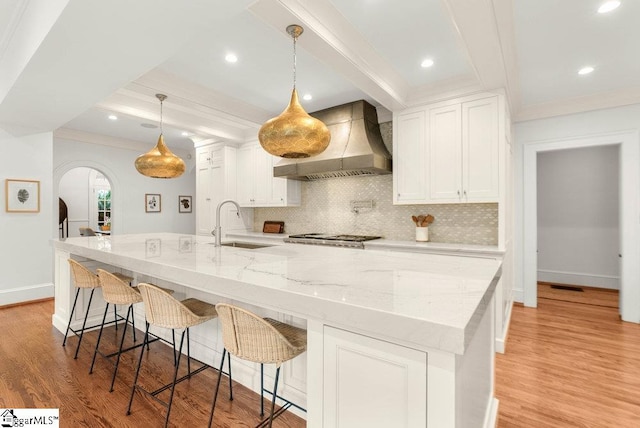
(555, 39)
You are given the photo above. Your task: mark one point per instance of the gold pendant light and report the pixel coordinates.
(159, 162)
(294, 134)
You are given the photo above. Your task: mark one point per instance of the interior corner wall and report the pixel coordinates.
(26, 267)
(578, 216)
(129, 187)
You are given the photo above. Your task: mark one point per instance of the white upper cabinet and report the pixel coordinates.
(257, 187)
(215, 182)
(447, 153)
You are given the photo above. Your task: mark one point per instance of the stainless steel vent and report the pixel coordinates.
(356, 146)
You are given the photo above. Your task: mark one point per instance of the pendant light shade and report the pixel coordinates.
(160, 162)
(294, 134)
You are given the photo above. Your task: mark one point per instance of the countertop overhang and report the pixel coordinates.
(419, 300)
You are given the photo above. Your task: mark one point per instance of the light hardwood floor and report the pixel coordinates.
(566, 365)
(569, 364)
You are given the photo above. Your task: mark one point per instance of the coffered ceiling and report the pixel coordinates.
(99, 58)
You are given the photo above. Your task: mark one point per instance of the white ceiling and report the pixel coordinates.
(350, 50)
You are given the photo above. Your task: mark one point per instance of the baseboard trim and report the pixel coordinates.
(590, 280)
(26, 294)
(491, 416)
(502, 340)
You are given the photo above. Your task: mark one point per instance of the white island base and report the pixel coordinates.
(394, 339)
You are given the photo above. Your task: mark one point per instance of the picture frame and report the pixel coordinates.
(22, 196)
(185, 204)
(152, 202)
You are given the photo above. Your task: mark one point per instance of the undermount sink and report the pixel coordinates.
(245, 245)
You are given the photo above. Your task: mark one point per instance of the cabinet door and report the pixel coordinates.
(480, 169)
(372, 383)
(263, 180)
(246, 176)
(409, 155)
(445, 177)
(204, 204)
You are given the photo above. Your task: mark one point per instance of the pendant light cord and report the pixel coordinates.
(161, 132)
(295, 39)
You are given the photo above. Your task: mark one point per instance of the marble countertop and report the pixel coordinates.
(387, 244)
(418, 300)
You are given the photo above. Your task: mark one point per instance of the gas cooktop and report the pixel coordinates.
(352, 241)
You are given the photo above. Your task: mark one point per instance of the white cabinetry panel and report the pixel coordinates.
(480, 147)
(445, 150)
(372, 383)
(409, 158)
(257, 187)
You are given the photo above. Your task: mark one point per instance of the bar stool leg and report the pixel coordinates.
(230, 382)
(188, 354)
(175, 376)
(261, 389)
(84, 323)
(215, 395)
(135, 378)
(95, 352)
(273, 398)
(73, 308)
(124, 333)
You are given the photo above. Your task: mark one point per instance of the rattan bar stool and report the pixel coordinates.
(117, 292)
(84, 278)
(259, 340)
(163, 310)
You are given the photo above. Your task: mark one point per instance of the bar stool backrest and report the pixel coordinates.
(83, 277)
(251, 338)
(116, 291)
(164, 310)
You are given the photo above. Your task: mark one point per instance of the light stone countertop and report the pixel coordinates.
(417, 300)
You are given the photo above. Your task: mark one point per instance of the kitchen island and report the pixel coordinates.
(394, 338)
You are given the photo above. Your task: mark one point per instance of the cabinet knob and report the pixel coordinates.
(208, 199)
(458, 192)
(465, 193)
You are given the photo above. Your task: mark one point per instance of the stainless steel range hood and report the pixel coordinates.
(356, 146)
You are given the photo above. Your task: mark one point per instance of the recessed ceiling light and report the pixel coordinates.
(585, 70)
(307, 97)
(149, 125)
(185, 134)
(113, 117)
(426, 63)
(608, 6)
(231, 58)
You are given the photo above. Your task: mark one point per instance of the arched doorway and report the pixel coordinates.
(90, 193)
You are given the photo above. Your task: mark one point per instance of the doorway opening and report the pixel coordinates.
(87, 194)
(628, 206)
(578, 225)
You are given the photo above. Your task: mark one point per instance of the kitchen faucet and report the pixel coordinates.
(218, 230)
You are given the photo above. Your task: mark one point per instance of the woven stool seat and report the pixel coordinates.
(84, 278)
(259, 340)
(163, 310)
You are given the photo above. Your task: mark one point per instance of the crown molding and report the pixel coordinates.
(105, 140)
(603, 100)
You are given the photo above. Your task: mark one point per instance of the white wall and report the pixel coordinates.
(26, 256)
(578, 216)
(129, 187)
(589, 124)
(74, 190)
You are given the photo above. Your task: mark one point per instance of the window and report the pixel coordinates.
(104, 207)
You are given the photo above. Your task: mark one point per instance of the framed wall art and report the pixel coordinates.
(184, 204)
(22, 196)
(152, 203)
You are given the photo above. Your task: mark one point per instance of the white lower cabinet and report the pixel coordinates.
(372, 383)
(257, 187)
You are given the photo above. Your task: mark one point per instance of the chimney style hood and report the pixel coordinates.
(356, 146)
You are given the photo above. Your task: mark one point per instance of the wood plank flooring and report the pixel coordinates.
(37, 372)
(588, 295)
(569, 365)
(566, 365)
